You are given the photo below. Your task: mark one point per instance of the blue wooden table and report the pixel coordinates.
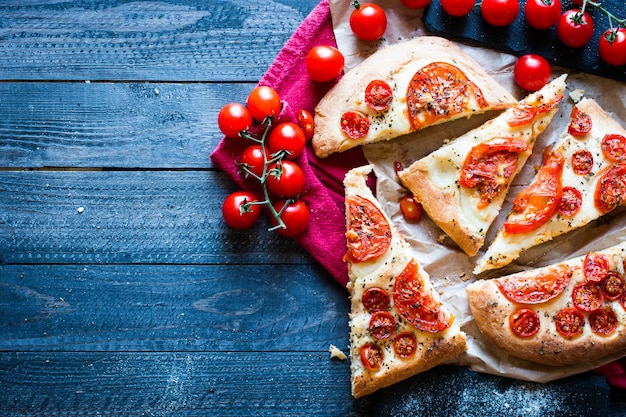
(121, 290)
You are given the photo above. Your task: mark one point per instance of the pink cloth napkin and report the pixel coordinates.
(324, 238)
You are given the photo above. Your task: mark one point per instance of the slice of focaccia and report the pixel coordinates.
(563, 314)
(462, 185)
(403, 88)
(582, 178)
(398, 325)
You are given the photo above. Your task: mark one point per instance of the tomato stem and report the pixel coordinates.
(611, 16)
(356, 4)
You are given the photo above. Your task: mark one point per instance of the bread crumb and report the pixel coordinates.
(335, 352)
(576, 95)
(80, 210)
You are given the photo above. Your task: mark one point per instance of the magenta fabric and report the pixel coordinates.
(324, 238)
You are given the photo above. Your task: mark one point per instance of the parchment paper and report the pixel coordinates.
(449, 268)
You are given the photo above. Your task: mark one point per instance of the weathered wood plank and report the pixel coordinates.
(167, 40)
(176, 384)
(131, 217)
(171, 308)
(112, 125)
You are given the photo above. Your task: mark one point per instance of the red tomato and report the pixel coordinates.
(237, 211)
(575, 28)
(411, 210)
(374, 299)
(369, 233)
(523, 289)
(458, 8)
(306, 123)
(571, 201)
(233, 118)
(354, 124)
(368, 21)
(382, 325)
(613, 286)
(596, 267)
(263, 101)
(295, 216)
(587, 297)
(252, 161)
(532, 72)
(378, 95)
(542, 14)
(612, 46)
(580, 123)
(371, 356)
(287, 137)
(324, 63)
(405, 345)
(285, 179)
(415, 4)
(499, 12)
(524, 323)
(582, 162)
(569, 322)
(603, 321)
(614, 147)
(610, 191)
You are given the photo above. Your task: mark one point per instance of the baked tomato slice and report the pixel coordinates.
(587, 297)
(524, 323)
(537, 203)
(372, 356)
(525, 113)
(580, 123)
(405, 345)
(596, 266)
(369, 232)
(610, 191)
(417, 306)
(440, 90)
(569, 322)
(378, 95)
(375, 299)
(529, 289)
(603, 321)
(382, 325)
(489, 166)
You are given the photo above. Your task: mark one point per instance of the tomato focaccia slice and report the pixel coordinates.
(463, 184)
(398, 324)
(581, 179)
(563, 314)
(403, 88)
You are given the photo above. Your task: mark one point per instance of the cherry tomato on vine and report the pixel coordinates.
(324, 63)
(542, 14)
(237, 211)
(306, 123)
(574, 28)
(612, 46)
(252, 159)
(368, 21)
(415, 4)
(531, 72)
(285, 179)
(233, 118)
(263, 101)
(499, 12)
(288, 137)
(458, 8)
(295, 216)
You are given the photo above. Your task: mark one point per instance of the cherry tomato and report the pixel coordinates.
(524, 323)
(614, 147)
(571, 201)
(596, 267)
(354, 124)
(523, 289)
(542, 14)
(378, 95)
(371, 357)
(610, 191)
(263, 101)
(287, 137)
(405, 345)
(582, 162)
(415, 4)
(575, 28)
(233, 118)
(587, 297)
(580, 123)
(237, 211)
(499, 12)
(411, 209)
(603, 321)
(375, 299)
(382, 325)
(613, 286)
(368, 232)
(368, 21)
(295, 216)
(532, 72)
(285, 179)
(252, 161)
(324, 63)
(569, 322)
(458, 8)
(612, 46)
(306, 123)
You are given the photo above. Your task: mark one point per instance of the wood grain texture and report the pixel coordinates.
(168, 40)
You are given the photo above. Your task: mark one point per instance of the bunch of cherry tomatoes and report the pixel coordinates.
(574, 27)
(269, 161)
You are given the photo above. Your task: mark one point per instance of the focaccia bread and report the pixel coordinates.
(403, 88)
(581, 179)
(398, 325)
(463, 184)
(563, 314)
